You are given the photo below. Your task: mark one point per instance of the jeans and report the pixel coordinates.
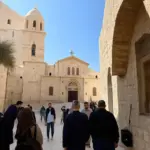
(103, 144)
(50, 125)
(43, 117)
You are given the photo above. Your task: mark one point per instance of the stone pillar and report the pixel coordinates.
(3, 79)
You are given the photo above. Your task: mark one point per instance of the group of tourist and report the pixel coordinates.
(28, 133)
(99, 124)
(79, 127)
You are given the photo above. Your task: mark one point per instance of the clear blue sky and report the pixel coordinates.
(70, 24)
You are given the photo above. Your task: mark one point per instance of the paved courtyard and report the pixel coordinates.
(56, 143)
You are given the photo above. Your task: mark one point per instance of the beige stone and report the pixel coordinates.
(126, 22)
(32, 77)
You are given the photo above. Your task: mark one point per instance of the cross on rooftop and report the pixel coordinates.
(71, 53)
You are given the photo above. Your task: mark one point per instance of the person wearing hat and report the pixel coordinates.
(103, 128)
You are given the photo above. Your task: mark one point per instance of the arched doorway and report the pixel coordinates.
(72, 91)
(123, 32)
(110, 91)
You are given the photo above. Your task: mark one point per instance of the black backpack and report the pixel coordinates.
(30, 143)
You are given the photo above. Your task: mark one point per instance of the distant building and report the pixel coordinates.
(33, 80)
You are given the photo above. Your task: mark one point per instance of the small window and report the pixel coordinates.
(20, 77)
(34, 24)
(96, 76)
(73, 71)
(41, 28)
(94, 91)
(8, 21)
(26, 23)
(77, 71)
(68, 71)
(51, 90)
(33, 52)
(50, 74)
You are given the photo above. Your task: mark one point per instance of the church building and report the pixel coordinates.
(33, 80)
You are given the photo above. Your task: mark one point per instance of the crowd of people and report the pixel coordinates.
(97, 123)
(92, 122)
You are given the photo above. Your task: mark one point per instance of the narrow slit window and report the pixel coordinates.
(51, 90)
(33, 50)
(34, 24)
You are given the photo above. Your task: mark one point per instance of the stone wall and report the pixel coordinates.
(3, 78)
(125, 88)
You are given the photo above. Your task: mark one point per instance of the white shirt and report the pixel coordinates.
(50, 117)
(87, 111)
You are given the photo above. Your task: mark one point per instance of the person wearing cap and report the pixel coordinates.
(103, 128)
(76, 129)
(9, 118)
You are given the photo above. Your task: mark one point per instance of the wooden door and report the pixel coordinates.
(72, 95)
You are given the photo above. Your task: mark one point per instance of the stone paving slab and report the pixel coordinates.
(56, 143)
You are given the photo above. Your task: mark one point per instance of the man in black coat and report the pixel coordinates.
(103, 128)
(76, 129)
(50, 120)
(8, 124)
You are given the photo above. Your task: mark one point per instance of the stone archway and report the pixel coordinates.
(72, 91)
(110, 90)
(122, 36)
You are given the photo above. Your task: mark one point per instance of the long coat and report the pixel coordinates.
(9, 119)
(75, 131)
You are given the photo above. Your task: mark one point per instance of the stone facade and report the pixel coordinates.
(124, 52)
(32, 78)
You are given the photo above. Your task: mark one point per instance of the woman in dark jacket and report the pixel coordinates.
(8, 124)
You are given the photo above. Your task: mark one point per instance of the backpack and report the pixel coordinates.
(30, 143)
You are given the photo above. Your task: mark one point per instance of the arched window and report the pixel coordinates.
(26, 23)
(50, 74)
(34, 24)
(73, 71)
(41, 27)
(68, 71)
(77, 71)
(94, 91)
(51, 90)
(33, 50)
(8, 21)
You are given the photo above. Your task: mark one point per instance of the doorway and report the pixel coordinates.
(72, 95)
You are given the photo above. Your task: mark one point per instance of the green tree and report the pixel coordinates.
(7, 58)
